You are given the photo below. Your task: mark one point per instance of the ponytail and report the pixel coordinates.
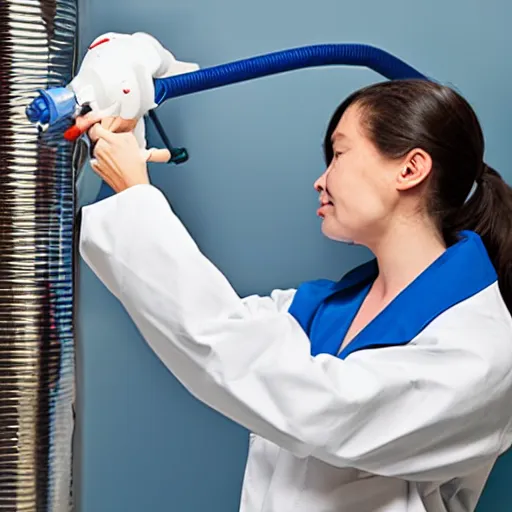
(488, 212)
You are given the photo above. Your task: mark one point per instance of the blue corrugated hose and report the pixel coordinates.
(368, 56)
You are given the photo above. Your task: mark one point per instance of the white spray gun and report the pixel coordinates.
(116, 78)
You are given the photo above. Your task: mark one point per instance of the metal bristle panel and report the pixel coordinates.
(37, 50)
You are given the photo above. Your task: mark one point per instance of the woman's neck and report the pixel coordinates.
(403, 253)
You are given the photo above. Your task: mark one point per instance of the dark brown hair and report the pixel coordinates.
(400, 115)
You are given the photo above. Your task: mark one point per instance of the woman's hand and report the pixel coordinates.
(119, 125)
(118, 158)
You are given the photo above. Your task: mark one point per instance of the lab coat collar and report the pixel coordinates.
(325, 309)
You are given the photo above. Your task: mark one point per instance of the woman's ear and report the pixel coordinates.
(416, 167)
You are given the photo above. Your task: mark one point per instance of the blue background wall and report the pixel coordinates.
(246, 195)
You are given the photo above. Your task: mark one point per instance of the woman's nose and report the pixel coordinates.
(320, 182)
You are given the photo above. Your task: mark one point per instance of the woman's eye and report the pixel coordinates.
(337, 154)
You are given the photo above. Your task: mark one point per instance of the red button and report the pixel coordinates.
(72, 133)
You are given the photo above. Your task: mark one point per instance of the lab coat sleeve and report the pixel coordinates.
(420, 413)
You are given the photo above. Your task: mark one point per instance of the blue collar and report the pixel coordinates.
(325, 309)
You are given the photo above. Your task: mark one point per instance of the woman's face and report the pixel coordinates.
(358, 192)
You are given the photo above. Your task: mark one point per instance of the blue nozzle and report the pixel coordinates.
(52, 106)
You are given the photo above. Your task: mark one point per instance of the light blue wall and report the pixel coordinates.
(246, 195)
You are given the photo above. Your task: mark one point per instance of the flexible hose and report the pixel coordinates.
(37, 46)
(376, 59)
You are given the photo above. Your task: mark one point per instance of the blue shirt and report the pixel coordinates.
(326, 309)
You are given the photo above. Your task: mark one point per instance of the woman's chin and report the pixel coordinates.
(335, 233)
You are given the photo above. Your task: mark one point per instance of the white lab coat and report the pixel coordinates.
(413, 427)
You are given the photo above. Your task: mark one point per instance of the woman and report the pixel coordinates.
(388, 391)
